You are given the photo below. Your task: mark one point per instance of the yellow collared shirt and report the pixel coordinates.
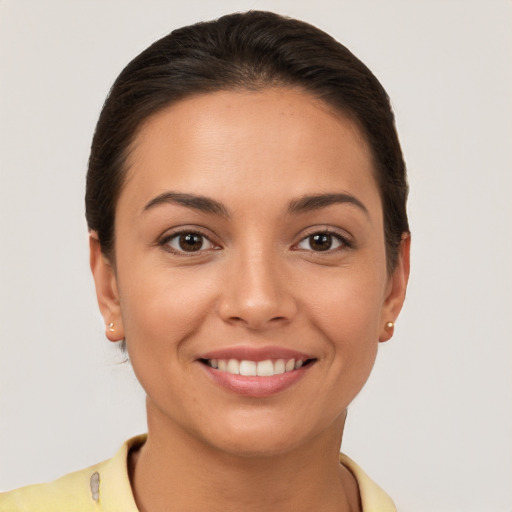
(105, 487)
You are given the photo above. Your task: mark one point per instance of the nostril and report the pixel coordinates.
(249, 306)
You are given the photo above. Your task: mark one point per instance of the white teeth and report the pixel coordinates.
(266, 368)
(248, 368)
(279, 367)
(233, 367)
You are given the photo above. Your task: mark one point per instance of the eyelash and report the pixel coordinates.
(165, 242)
(343, 241)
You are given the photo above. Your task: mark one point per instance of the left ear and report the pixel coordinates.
(395, 291)
(106, 289)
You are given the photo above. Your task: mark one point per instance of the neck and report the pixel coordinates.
(174, 467)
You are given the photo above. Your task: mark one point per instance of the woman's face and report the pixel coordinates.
(249, 238)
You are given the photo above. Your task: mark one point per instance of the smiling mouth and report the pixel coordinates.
(266, 368)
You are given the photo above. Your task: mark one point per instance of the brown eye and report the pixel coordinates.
(189, 242)
(322, 242)
(319, 242)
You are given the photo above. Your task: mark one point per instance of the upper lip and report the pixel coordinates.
(255, 353)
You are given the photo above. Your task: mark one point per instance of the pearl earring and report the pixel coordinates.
(111, 327)
(390, 326)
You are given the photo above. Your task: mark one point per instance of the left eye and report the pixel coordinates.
(189, 242)
(320, 242)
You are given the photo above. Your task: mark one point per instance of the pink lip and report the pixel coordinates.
(255, 353)
(255, 386)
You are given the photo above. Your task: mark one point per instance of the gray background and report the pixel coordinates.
(433, 425)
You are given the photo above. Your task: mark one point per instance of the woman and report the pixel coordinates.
(250, 247)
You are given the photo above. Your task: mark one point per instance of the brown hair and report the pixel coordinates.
(250, 51)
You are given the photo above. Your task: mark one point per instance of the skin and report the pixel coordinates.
(256, 281)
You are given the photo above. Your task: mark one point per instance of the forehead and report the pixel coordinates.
(249, 142)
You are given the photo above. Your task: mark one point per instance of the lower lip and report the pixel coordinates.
(256, 386)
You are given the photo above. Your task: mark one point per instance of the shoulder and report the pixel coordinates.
(373, 497)
(66, 493)
(102, 487)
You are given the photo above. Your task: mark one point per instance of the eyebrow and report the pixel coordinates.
(316, 202)
(195, 202)
(297, 206)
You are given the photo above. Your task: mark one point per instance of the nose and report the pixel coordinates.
(257, 292)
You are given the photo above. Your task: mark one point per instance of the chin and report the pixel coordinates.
(255, 445)
(261, 436)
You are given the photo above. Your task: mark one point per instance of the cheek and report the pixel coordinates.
(348, 304)
(161, 314)
(164, 307)
(346, 310)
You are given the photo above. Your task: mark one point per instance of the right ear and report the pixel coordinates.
(107, 291)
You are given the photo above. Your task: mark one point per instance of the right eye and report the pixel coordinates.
(188, 242)
(324, 241)
(321, 242)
